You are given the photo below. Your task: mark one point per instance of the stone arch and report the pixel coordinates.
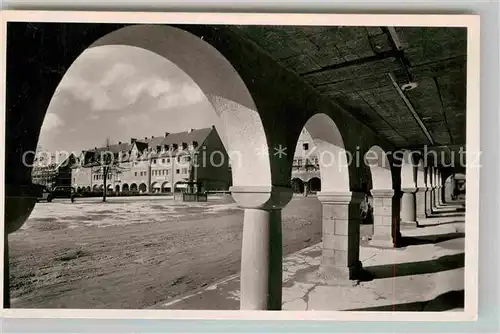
(143, 188)
(110, 187)
(380, 168)
(238, 122)
(101, 187)
(155, 187)
(88, 188)
(95, 187)
(125, 187)
(408, 170)
(315, 184)
(133, 187)
(297, 185)
(166, 187)
(331, 153)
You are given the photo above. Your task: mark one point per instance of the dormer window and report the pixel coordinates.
(158, 148)
(195, 144)
(167, 147)
(175, 146)
(184, 146)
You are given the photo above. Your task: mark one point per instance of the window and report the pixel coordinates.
(158, 148)
(162, 161)
(168, 160)
(135, 174)
(187, 159)
(305, 146)
(195, 144)
(166, 171)
(177, 171)
(167, 147)
(154, 161)
(184, 171)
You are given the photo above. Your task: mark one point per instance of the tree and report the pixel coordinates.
(107, 162)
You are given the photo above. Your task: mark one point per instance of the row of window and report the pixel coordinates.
(101, 176)
(300, 161)
(175, 146)
(167, 160)
(163, 172)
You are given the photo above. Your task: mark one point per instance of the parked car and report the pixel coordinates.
(62, 192)
(44, 195)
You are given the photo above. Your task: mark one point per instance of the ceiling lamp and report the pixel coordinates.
(409, 86)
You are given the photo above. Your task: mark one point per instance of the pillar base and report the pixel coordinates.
(412, 223)
(381, 241)
(340, 275)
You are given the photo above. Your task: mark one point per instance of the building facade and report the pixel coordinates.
(306, 176)
(163, 164)
(52, 170)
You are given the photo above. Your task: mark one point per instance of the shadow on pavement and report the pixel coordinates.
(430, 239)
(443, 263)
(445, 302)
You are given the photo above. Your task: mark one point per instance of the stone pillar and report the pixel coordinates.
(385, 222)
(6, 284)
(428, 201)
(306, 188)
(408, 206)
(420, 203)
(436, 196)
(20, 201)
(262, 250)
(440, 195)
(341, 224)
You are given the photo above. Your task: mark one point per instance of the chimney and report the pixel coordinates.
(132, 140)
(166, 134)
(190, 130)
(119, 143)
(152, 137)
(145, 138)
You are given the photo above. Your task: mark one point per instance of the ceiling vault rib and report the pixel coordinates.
(442, 108)
(411, 109)
(383, 55)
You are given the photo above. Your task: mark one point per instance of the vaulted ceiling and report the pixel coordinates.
(365, 70)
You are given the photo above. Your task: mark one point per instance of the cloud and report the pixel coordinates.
(108, 81)
(51, 122)
(152, 87)
(85, 91)
(117, 74)
(187, 95)
(133, 122)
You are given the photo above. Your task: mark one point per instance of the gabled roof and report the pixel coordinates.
(198, 135)
(188, 137)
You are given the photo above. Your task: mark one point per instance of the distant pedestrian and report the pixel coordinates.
(366, 211)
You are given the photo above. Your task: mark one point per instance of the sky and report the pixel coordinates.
(121, 92)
